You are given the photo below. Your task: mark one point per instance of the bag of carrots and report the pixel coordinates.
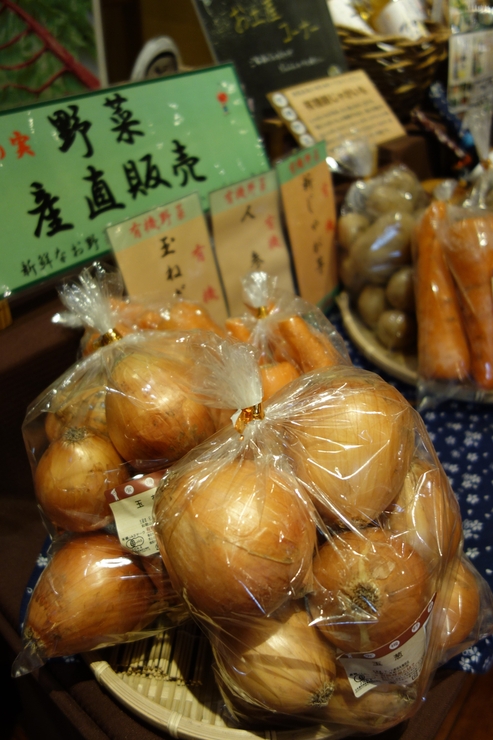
(318, 544)
(95, 302)
(291, 335)
(453, 257)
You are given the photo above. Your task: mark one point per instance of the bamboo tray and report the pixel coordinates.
(168, 681)
(397, 364)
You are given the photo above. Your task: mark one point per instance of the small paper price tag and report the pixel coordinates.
(132, 505)
(398, 662)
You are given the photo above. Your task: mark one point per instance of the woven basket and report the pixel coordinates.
(168, 681)
(400, 68)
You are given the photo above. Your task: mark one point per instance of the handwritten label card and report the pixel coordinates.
(309, 206)
(248, 236)
(167, 252)
(330, 109)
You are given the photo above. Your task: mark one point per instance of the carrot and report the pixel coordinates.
(276, 375)
(237, 328)
(185, 314)
(309, 348)
(443, 352)
(469, 252)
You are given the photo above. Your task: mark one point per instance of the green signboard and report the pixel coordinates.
(69, 169)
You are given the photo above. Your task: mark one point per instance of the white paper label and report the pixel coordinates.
(399, 662)
(132, 507)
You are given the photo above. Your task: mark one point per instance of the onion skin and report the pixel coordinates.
(72, 476)
(149, 416)
(277, 663)
(370, 587)
(379, 709)
(426, 514)
(461, 606)
(233, 541)
(352, 445)
(84, 408)
(91, 593)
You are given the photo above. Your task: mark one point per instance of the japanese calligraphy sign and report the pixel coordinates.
(167, 252)
(71, 168)
(330, 109)
(273, 43)
(248, 236)
(309, 207)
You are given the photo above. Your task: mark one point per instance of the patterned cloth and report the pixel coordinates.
(462, 434)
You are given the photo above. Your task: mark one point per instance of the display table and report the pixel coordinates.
(63, 699)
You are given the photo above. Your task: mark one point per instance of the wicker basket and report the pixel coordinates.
(400, 68)
(168, 681)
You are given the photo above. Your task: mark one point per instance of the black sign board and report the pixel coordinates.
(273, 43)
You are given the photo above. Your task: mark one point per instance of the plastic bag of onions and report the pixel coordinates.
(125, 408)
(93, 593)
(314, 540)
(292, 335)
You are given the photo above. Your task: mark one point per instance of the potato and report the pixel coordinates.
(388, 199)
(404, 180)
(396, 329)
(349, 227)
(400, 289)
(381, 249)
(371, 303)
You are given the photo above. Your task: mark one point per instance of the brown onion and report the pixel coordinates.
(380, 708)
(369, 588)
(82, 408)
(426, 513)
(278, 663)
(148, 414)
(234, 540)
(92, 593)
(72, 476)
(461, 602)
(353, 441)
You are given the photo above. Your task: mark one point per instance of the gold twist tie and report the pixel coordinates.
(262, 312)
(108, 337)
(247, 415)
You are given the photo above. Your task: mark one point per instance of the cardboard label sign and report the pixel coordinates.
(167, 252)
(70, 169)
(310, 212)
(247, 232)
(331, 109)
(273, 44)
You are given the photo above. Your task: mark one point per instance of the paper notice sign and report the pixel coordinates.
(247, 231)
(167, 252)
(309, 206)
(331, 108)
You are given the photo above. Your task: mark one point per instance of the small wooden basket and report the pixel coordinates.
(401, 69)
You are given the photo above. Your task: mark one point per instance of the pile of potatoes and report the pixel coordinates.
(374, 236)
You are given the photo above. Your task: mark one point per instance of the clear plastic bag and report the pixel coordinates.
(291, 335)
(92, 593)
(96, 302)
(374, 237)
(321, 518)
(454, 303)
